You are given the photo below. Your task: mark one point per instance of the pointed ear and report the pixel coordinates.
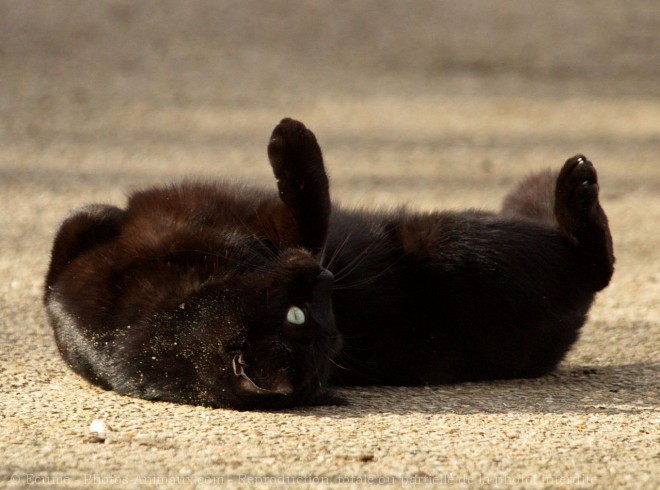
(83, 230)
(302, 183)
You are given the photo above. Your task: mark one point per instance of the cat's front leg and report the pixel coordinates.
(302, 182)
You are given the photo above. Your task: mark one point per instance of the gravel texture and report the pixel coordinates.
(440, 105)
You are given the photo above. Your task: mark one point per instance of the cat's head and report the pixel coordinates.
(262, 335)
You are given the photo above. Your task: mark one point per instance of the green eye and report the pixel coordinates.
(295, 316)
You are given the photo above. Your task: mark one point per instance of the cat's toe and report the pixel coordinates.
(578, 182)
(289, 126)
(582, 171)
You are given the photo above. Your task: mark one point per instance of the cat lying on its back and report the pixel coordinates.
(224, 296)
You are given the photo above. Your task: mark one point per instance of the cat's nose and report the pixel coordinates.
(325, 282)
(321, 304)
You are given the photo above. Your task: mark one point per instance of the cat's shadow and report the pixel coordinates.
(616, 389)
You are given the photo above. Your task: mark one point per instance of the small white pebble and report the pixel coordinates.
(98, 425)
(99, 429)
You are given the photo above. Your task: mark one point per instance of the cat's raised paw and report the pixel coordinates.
(297, 164)
(294, 152)
(576, 193)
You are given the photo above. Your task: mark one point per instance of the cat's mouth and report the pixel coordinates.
(258, 382)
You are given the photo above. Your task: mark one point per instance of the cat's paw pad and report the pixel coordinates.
(293, 150)
(577, 188)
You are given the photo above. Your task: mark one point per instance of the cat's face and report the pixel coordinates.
(264, 337)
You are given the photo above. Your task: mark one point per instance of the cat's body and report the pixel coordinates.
(220, 295)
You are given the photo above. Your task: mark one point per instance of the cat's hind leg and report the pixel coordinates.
(568, 201)
(582, 220)
(86, 228)
(302, 183)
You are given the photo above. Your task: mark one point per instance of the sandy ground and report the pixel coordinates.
(441, 105)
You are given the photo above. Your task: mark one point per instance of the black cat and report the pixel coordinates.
(221, 295)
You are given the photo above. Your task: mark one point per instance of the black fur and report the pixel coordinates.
(187, 294)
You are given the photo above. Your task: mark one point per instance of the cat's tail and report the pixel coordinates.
(568, 201)
(84, 229)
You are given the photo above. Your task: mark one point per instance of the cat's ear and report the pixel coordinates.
(83, 230)
(302, 182)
